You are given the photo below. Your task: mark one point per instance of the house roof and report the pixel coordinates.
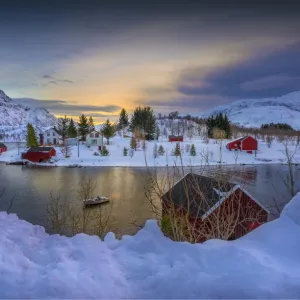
(2, 145)
(175, 136)
(95, 131)
(40, 149)
(238, 139)
(198, 193)
(202, 194)
(241, 139)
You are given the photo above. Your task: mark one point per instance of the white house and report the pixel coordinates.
(94, 138)
(49, 137)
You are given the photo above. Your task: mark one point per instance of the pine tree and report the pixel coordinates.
(123, 119)
(177, 151)
(143, 120)
(91, 124)
(83, 126)
(161, 150)
(104, 151)
(108, 130)
(193, 150)
(31, 139)
(63, 128)
(125, 151)
(72, 131)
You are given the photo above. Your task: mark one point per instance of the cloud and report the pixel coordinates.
(265, 75)
(61, 107)
(55, 80)
(47, 76)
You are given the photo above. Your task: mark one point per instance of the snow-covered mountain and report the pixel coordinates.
(14, 117)
(255, 112)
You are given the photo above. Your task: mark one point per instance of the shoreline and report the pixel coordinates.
(41, 165)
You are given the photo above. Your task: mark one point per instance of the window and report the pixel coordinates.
(91, 135)
(96, 135)
(48, 133)
(48, 141)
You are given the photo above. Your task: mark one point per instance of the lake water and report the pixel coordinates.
(30, 187)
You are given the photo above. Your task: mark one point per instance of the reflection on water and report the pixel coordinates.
(30, 187)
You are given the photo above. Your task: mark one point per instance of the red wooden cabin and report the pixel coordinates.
(3, 148)
(39, 154)
(210, 201)
(175, 138)
(246, 143)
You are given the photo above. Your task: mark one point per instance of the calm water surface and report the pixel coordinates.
(30, 187)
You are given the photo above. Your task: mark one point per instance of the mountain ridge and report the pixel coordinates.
(255, 112)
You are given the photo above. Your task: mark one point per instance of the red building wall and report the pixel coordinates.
(249, 215)
(3, 150)
(39, 156)
(175, 139)
(249, 144)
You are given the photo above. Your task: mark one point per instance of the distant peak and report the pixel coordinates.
(4, 97)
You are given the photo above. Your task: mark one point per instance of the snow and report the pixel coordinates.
(263, 264)
(14, 118)
(274, 155)
(255, 112)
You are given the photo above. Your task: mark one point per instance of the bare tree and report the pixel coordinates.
(179, 220)
(235, 156)
(66, 218)
(290, 178)
(66, 148)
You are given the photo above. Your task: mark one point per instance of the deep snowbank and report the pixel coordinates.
(263, 264)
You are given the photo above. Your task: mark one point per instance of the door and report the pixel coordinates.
(54, 141)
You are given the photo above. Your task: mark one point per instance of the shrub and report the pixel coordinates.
(193, 150)
(104, 151)
(125, 151)
(161, 150)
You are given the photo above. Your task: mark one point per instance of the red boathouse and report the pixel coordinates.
(246, 143)
(39, 154)
(213, 206)
(175, 138)
(3, 148)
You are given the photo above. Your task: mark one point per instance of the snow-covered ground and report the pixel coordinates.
(263, 264)
(206, 154)
(255, 112)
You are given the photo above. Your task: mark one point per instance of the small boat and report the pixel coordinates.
(96, 200)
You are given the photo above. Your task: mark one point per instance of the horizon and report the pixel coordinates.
(96, 57)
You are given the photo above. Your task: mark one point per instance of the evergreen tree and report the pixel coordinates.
(31, 139)
(193, 150)
(104, 151)
(91, 124)
(177, 151)
(143, 120)
(63, 128)
(83, 126)
(108, 130)
(161, 150)
(123, 119)
(219, 121)
(125, 151)
(72, 131)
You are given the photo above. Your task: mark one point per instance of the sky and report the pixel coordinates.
(95, 57)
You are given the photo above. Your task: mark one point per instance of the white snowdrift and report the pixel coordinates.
(263, 264)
